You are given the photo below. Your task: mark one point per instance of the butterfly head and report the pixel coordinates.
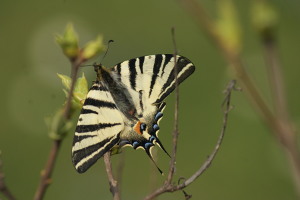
(101, 71)
(97, 68)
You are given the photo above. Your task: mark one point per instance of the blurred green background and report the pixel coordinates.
(250, 164)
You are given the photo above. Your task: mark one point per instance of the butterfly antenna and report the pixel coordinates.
(87, 65)
(98, 65)
(110, 41)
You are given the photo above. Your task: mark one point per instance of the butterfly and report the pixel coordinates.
(124, 106)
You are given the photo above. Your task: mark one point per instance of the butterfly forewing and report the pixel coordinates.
(154, 75)
(98, 129)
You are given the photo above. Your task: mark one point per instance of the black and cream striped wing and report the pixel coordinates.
(149, 80)
(98, 129)
(154, 74)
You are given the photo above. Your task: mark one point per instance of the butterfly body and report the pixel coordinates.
(124, 106)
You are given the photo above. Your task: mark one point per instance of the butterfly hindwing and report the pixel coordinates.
(98, 129)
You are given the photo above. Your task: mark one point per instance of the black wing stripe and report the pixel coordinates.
(88, 111)
(168, 57)
(98, 87)
(162, 106)
(170, 84)
(171, 78)
(119, 68)
(78, 138)
(79, 155)
(141, 100)
(99, 103)
(141, 63)
(156, 67)
(132, 71)
(94, 127)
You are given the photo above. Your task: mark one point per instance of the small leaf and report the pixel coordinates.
(69, 42)
(80, 91)
(81, 86)
(66, 92)
(93, 47)
(66, 80)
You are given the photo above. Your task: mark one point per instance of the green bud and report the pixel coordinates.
(69, 42)
(58, 126)
(93, 47)
(80, 90)
(228, 25)
(264, 17)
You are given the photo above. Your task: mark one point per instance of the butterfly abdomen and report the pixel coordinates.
(120, 94)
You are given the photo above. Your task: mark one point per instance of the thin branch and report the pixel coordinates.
(120, 169)
(175, 129)
(280, 105)
(172, 188)
(275, 77)
(49, 167)
(3, 187)
(186, 195)
(74, 72)
(47, 171)
(114, 188)
(207, 163)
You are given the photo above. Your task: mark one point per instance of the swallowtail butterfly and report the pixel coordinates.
(124, 106)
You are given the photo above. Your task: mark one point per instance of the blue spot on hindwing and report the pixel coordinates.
(158, 116)
(135, 144)
(152, 138)
(124, 142)
(143, 127)
(155, 127)
(148, 145)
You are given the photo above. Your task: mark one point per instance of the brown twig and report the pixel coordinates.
(281, 129)
(280, 105)
(275, 77)
(205, 166)
(74, 71)
(172, 188)
(120, 169)
(113, 184)
(175, 129)
(47, 171)
(3, 187)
